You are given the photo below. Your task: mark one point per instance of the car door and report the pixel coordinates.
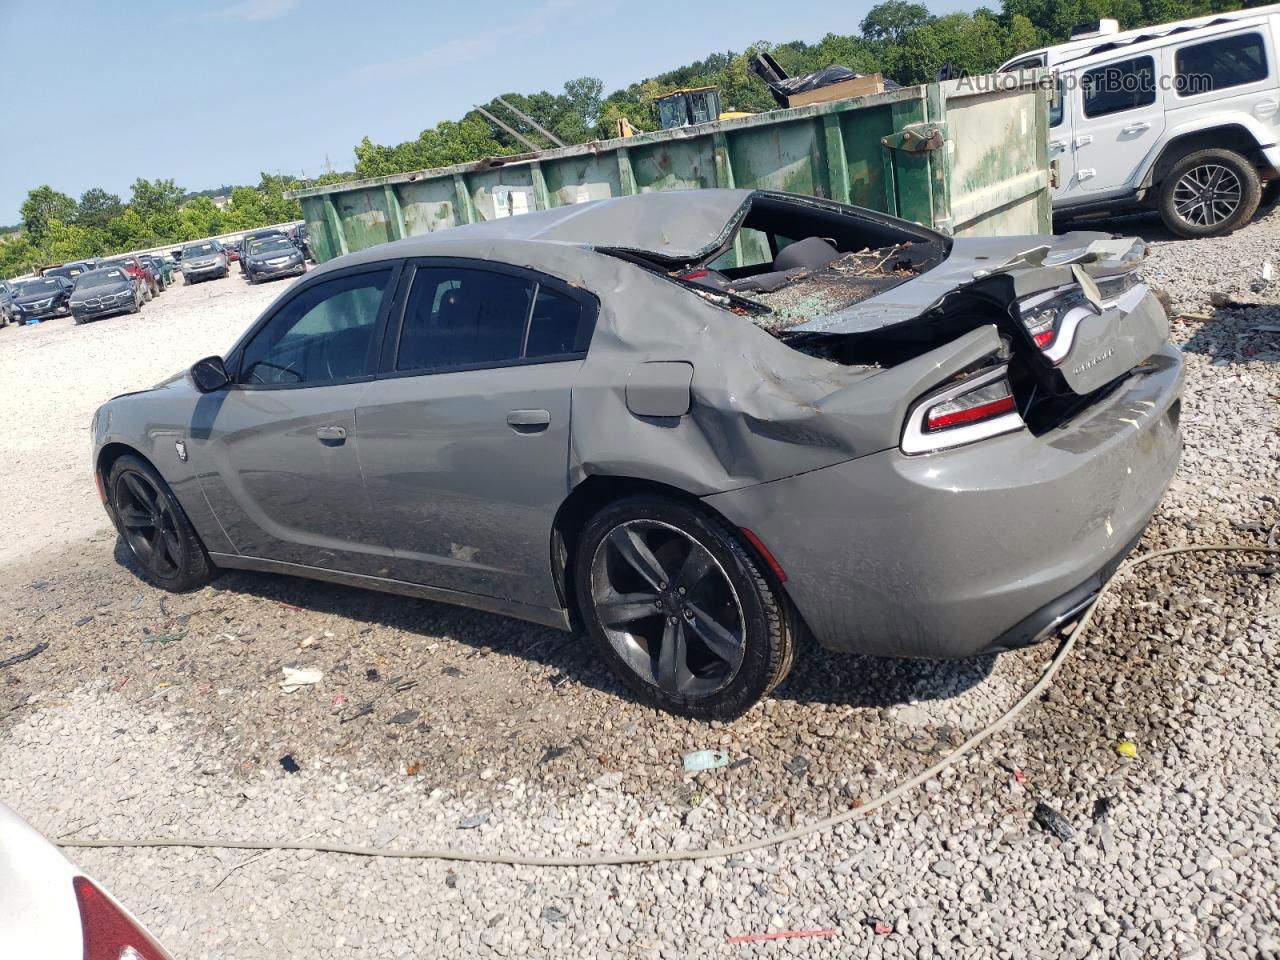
(464, 438)
(1061, 151)
(1120, 120)
(276, 450)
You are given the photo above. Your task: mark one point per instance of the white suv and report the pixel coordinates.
(1183, 117)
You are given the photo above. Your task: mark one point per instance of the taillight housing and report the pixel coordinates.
(965, 411)
(1052, 316)
(109, 932)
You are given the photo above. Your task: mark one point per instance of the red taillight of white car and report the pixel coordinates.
(109, 932)
(976, 408)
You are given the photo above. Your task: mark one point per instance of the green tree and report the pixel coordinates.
(44, 204)
(97, 208)
(889, 22)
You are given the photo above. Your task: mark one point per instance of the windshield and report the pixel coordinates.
(270, 244)
(99, 278)
(199, 250)
(40, 286)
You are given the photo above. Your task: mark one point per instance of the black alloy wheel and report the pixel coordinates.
(159, 535)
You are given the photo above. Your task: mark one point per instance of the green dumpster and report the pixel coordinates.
(967, 157)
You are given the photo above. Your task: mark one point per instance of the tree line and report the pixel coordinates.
(898, 39)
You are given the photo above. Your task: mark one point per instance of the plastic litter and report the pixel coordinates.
(404, 716)
(780, 935)
(35, 651)
(1127, 748)
(1102, 808)
(295, 679)
(552, 753)
(796, 765)
(87, 618)
(290, 765)
(705, 760)
(1053, 822)
(879, 927)
(372, 675)
(473, 821)
(554, 914)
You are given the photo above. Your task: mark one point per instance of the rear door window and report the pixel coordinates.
(457, 318)
(1120, 86)
(1216, 64)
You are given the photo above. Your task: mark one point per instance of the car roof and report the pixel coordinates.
(675, 225)
(99, 271)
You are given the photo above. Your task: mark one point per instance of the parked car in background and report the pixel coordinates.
(252, 235)
(7, 309)
(302, 240)
(232, 248)
(42, 299)
(575, 416)
(140, 271)
(1180, 118)
(50, 909)
(159, 268)
(99, 293)
(205, 260)
(272, 257)
(68, 270)
(177, 255)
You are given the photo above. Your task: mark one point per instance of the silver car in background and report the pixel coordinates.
(697, 424)
(204, 261)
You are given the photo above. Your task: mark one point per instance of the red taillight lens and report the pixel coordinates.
(109, 934)
(1043, 339)
(993, 400)
(695, 275)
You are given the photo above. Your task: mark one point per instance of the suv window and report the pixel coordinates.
(323, 335)
(1215, 64)
(457, 318)
(1115, 87)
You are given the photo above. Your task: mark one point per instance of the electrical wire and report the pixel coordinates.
(747, 846)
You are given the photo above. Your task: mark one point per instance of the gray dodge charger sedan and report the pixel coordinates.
(695, 424)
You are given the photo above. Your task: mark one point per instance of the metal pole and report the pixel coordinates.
(489, 116)
(532, 122)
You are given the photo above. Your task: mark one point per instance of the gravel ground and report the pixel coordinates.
(165, 714)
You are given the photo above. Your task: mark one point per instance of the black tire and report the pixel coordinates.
(1188, 215)
(758, 616)
(176, 559)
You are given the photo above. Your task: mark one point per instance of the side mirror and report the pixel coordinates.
(209, 374)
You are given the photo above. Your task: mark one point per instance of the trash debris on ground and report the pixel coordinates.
(361, 711)
(552, 753)
(451, 672)
(879, 927)
(165, 638)
(290, 765)
(1127, 748)
(740, 762)
(88, 618)
(558, 680)
(797, 765)
(308, 642)
(35, 651)
(1102, 808)
(705, 760)
(137, 601)
(473, 821)
(405, 716)
(372, 675)
(780, 935)
(339, 702)
(41, 584)
(451, 880)
(554, 914)
(294, 679)
(1053, 822)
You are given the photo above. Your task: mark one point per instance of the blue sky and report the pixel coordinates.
(215, 92)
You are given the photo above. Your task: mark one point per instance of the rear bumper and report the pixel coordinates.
(974, 549)
(296, 269)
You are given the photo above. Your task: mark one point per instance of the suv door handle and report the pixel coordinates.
(1084, 141)
(332, 435)
(1057, 144)
(1136, 127)
(528, 421)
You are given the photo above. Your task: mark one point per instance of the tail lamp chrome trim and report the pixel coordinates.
(1065, 329)
(916, 439)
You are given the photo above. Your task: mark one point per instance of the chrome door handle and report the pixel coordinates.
(1136, 127)
(1084, 141)
(333, 435)
(528, 421)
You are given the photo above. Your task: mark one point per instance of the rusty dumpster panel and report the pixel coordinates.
(959, 156)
